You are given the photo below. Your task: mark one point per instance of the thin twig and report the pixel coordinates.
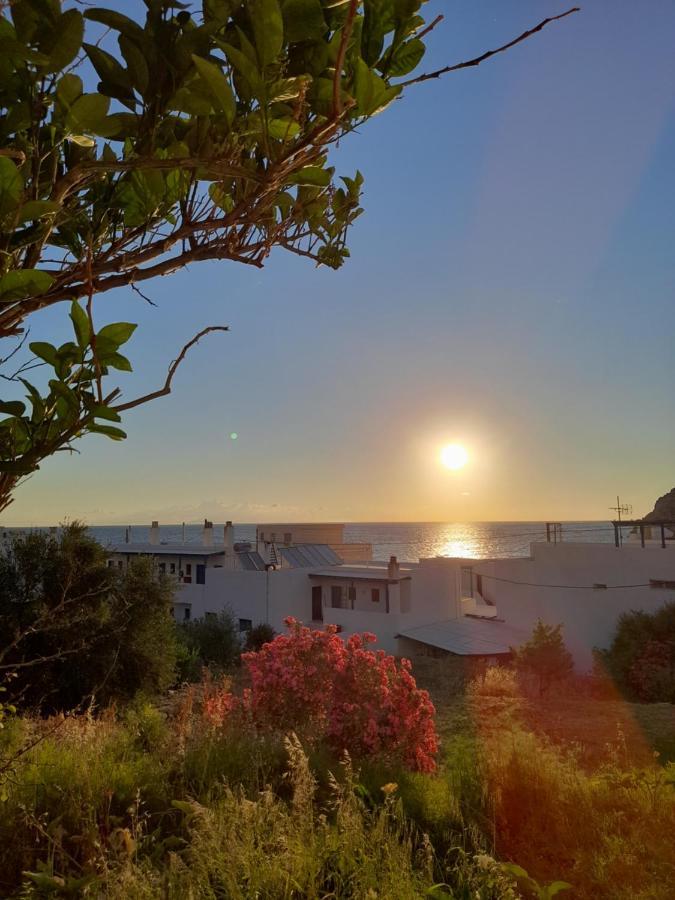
(489, 53)
(162, 392)
(430, 27)
(141, 294)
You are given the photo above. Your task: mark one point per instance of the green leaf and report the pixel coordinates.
(88, 112)
(107, 67)
(45, 351)
(245, 68)
(64, 392)
(81, 324)
(268, 29)
(283, 129)
(118, 332)
(21, 283)
(109, 430)
(68, 89)
(11, 186)
(516, 871)
(118, 22)
(12, 407)
(303, 20)
(65, 40)
(556, 887)
(371, 92)
(221, 198)
(218, 85)
(36, 209)
(138, 67)
(82, 140)
(117, 361)
(105, 412)
(406, 58)
(313, 176)
(376, 23)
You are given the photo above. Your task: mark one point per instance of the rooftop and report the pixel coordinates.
(168, 549)
(468, 636)
(360, 573)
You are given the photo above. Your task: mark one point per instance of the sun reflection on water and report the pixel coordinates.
(459, 541)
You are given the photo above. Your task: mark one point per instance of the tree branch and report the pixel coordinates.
(162, 392)
(488, 53)
(340, 61)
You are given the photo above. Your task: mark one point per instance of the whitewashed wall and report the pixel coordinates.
(589, 617)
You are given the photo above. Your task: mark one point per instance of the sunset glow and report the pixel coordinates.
(454, 456)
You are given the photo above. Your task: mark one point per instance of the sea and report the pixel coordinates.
(409, 541)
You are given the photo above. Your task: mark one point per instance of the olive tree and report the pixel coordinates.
(129, 149)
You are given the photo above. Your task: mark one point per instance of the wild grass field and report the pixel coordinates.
(156, 803)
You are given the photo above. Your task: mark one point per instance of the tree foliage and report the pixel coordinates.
(641, 657)
(211, 642)
(73, 630)
(544, 656)
(129, 149)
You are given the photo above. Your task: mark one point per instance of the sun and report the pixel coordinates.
(454, 456)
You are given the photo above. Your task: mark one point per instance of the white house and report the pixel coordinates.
(439, 605)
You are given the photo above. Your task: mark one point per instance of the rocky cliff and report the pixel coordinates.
(664, 508)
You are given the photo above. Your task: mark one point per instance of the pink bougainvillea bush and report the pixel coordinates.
(356, 699)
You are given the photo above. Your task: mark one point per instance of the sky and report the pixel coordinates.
(510, 288)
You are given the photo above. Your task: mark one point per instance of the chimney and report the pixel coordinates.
(154, 534)
(207, 533)
(393, 569)
(228, 537)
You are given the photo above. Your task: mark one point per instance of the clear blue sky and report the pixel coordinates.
(510, 287)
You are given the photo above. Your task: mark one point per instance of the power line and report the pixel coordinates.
(569, 587)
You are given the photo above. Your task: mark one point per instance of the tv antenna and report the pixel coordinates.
(625, 508)
(620, 507)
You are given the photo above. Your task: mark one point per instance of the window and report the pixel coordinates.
(120, 564)
(287, 537)
(186, 613)
(351, 595)
(172, 568)
(111, 563)
(375, 595)
(336, 596)
(188, 568)
(245, 625)
(201, 574)
(162, 568)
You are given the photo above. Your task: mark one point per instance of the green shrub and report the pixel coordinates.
(212, 642)
(258, 636)
(641, 657)
(544, 656)
(73, 630)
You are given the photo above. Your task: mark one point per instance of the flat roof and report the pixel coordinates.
(468, 636)
(168, 549)
(359, 573)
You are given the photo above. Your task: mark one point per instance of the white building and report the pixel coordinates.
(440, 605)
